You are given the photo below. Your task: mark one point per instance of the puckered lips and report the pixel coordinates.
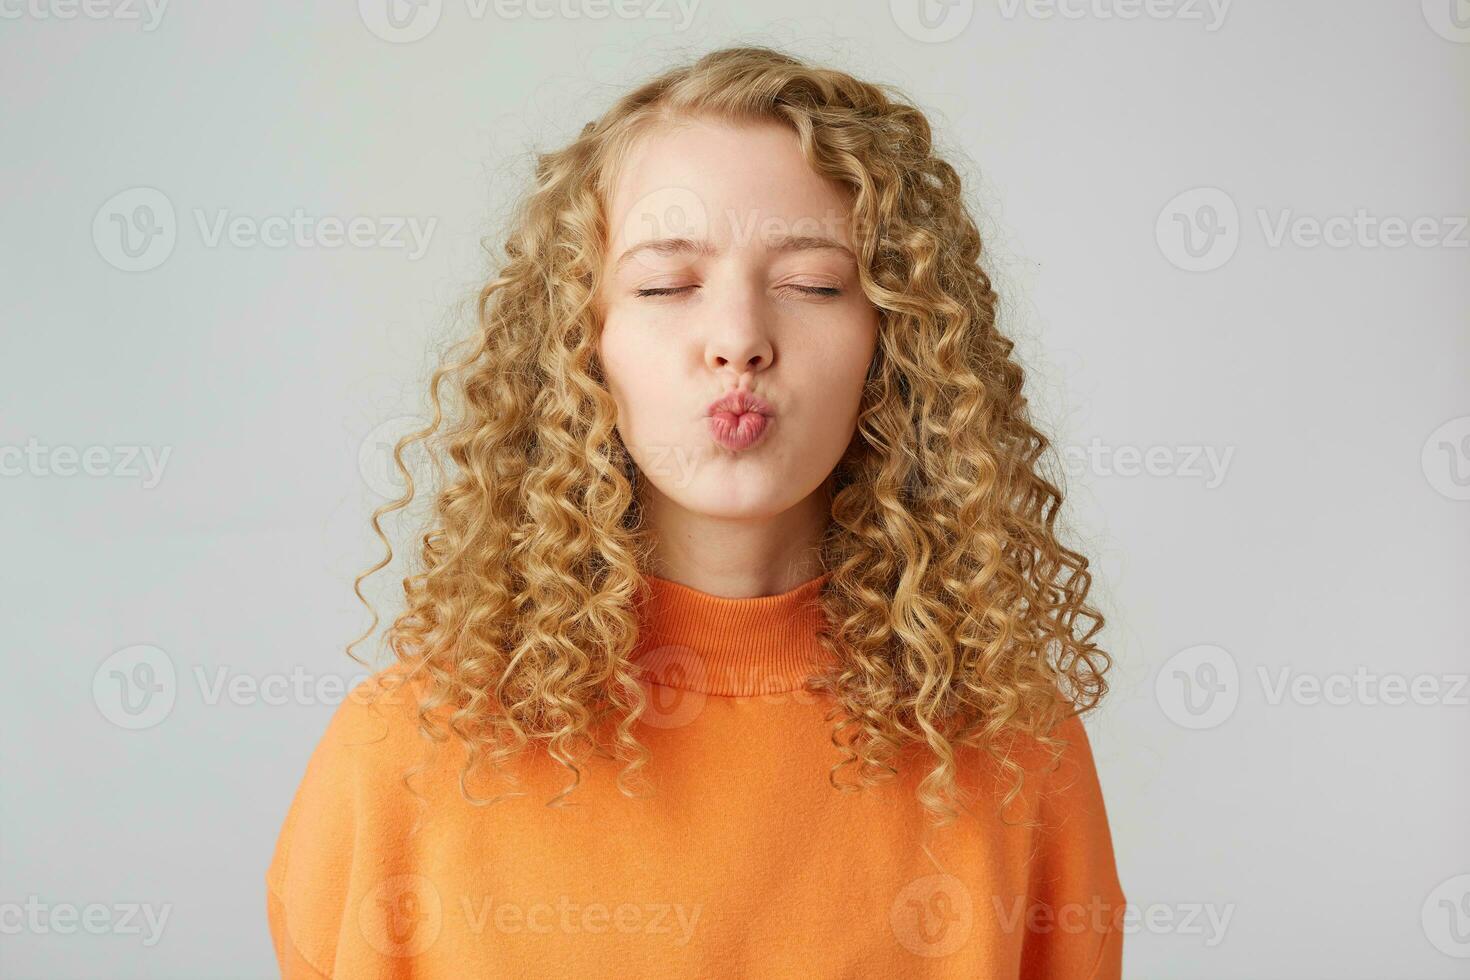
(738, 420)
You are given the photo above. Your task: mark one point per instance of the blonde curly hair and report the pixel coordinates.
(955, 615)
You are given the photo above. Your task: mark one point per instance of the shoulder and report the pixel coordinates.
(382, 710)
(346, 798)
(374, 729)
(1047, 772)
(1069, 774)
(1049, 785)
(1075, 888)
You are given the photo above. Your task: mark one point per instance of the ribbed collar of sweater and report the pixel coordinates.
(696, 641)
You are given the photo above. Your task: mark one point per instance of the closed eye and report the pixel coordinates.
(675, 290)
(663, 290)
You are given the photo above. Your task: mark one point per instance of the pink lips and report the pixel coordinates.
(738, 420)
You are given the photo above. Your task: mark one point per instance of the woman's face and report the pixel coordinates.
(730, 270)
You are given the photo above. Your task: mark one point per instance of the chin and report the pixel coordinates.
(733, 500)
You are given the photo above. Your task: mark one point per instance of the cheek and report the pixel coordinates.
(834, 393)
(633, 367)
(617, 349)
(849, 359)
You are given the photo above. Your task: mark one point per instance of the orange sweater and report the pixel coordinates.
(745, 863)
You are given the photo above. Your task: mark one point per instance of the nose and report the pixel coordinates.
(739, 340)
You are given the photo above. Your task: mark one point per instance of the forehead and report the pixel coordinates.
(729, 183)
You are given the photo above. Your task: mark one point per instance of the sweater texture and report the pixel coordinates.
(745, 862)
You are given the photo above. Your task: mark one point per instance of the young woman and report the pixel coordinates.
(743, 643)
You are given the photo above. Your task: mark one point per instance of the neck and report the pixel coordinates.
(731, 647)
(737, 557)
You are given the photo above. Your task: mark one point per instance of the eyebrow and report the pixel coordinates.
(703, 249)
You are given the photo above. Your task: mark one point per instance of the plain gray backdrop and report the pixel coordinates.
(1231, 244)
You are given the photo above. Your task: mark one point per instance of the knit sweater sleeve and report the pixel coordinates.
(1076, 906)
(328, 824)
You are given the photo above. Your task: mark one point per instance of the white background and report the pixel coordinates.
(1330, 381)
